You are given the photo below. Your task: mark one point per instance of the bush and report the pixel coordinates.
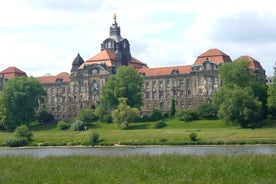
(86, 115)
(187, 115)
(207, 111)
(78, 125)
(16, 142)
(45, 116)
(62, 125)
(94, 138)
(193, 136)
(23, 131)
(106, 118)
(159, 124)
(156, 115)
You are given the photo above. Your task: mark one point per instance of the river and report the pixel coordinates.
(129, 150)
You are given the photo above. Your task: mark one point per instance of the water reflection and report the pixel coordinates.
(155, 150)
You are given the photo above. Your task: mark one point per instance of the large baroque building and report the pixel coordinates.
(189, 85)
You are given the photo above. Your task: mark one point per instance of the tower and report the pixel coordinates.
(117, 44)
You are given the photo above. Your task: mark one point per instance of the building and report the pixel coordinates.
(188, 85)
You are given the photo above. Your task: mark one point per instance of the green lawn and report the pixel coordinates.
(176, 132)
(208, 169)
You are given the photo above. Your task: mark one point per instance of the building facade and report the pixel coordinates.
(188, 85)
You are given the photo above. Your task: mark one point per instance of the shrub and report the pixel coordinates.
(23, 131)
(187, 115)
(159, 124)
(62, 125)
(106, 118)
(86, 115)
(156, 115)
(45, 116)
(206, 111)
(162, 139)
(16, 142)
(78, 125)
(193, 136)
(94, 138)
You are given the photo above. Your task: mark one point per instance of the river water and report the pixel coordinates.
(128, 150)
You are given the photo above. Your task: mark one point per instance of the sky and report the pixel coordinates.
(45, 36)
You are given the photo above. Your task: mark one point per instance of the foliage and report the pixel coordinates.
(62, 125)
(16, 142)
(44, 116)
(193, 136)
(94, 138)
(77, 125)
(187, 115)
(271, 101)
(86, 115)
(238, 106)
(126, 83)
(156, 115)
(173, 110)
(19, 100)
(23, 131)
(124, 114)
(206, 111)
(159, 124)
(242, 98)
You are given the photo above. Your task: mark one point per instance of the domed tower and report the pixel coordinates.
(118, 45)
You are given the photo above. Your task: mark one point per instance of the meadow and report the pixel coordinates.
(208, 169)
(175, 133)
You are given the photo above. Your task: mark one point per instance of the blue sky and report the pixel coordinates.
(42, 37)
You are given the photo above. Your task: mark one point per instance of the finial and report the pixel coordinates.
(114, 17)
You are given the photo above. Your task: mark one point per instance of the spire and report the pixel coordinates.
(114, 17)
(77, 62)
(115, 30)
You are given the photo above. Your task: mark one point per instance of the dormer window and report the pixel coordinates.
(175, 72)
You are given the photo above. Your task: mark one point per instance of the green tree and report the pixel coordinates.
(86, 115)
(126, 83)
(239, 106)
(271, 100)
(124, 114)
(206, 111)
(173, 108)
(19, 100)
(242, 99)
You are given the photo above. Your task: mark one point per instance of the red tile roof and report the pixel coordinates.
(253, 63)
(108, 57)
(214, 55)
(165, 70)
(12, 72)
(64, 76)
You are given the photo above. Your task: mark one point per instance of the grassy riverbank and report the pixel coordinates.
(140, 169)
(175, 133)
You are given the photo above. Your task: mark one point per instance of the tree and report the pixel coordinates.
(19, 100)
(124, 114)
(86, 115)
(173, 108)
(206, 111)
(44, 116)
(271, 100)
(126, 83)
(239, 106)
(242, 99)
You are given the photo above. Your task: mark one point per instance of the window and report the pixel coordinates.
(161, 84)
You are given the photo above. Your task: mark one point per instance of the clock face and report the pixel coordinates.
(95, 71)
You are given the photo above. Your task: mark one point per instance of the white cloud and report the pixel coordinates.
(44, 36)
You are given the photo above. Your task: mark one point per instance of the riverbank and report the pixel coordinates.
(173, 168)
(213, 132)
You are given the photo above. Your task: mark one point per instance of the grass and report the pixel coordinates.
(140, 169)
(176, 132)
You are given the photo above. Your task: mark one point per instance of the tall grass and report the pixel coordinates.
(140, 169)
(176, 132)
